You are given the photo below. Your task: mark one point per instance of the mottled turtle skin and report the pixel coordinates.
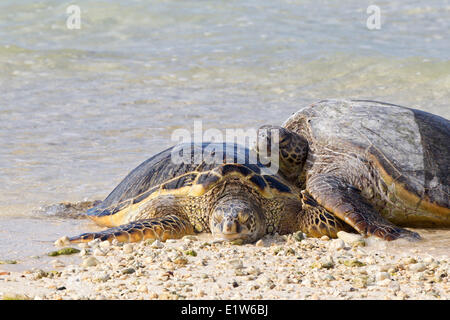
(376, 166)
(234, 197)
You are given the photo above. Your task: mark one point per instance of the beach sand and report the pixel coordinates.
(199, 267)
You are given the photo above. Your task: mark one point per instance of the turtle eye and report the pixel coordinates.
(243, 216)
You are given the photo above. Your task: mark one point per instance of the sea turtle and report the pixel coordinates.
(217, 187)
(374, 165)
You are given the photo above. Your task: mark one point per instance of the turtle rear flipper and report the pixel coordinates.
(161, 228)
(349, 205)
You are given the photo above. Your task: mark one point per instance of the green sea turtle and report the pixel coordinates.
(376, 166)
(234, 197)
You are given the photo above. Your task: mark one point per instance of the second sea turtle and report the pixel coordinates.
(376, 166)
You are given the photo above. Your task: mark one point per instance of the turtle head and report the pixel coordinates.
(235, 218)
(292, 149)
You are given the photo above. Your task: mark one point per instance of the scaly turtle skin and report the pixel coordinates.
(233, 198)
(374, 165)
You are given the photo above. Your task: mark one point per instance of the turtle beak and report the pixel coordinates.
(229, 227)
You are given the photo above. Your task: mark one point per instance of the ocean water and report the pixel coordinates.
(80, 108)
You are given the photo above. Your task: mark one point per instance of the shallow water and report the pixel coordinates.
(80, 108)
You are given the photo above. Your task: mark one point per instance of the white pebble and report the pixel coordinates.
(89, 262)
(417, 267)
(337, 244)
(351, 238)
(99, 252)
(428, 260)
(102, 277)
(260, 243)
(236, 263)
(105, 245)
(63, 241)
(157, 244)
(143, 288)
(128, 248)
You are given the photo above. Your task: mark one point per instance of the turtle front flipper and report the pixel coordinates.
(346, 203)
(161, 228)
(316, 221)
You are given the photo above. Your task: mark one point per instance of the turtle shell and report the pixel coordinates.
(410, 148)
(188, 170)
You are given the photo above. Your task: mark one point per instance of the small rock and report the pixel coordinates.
(127, 248)
(417, 267)
(409, 260)
(328, 277)
(98, 252)
(299, 236)
(39, 274)
(181, 261)
(236, 263)
(325, 238)
(360, 281)
(324, 263)
(352, 239)
(201, 293)
(89, 262)
(94, 243)
(290, 252)
(394, 286)
(84, 252)
(428, 260)
(63, 241)
(191, 253)
(153, 295)
(190, 237)
(353, 263)
(143, 289)
(337, 244)
(157, 244)
(105, 245)
(260, 243)
(237, 242)
(102, 277)
(254, 271)
(128, 271)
